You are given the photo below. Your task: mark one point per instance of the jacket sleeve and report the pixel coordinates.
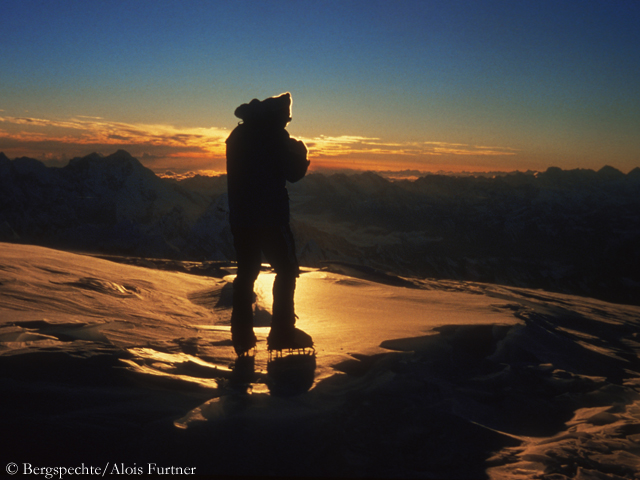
(295, 162)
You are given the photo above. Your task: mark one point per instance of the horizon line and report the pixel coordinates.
(401, 173)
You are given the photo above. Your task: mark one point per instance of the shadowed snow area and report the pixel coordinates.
(107, 362)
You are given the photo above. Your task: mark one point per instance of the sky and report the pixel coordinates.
(473, 85)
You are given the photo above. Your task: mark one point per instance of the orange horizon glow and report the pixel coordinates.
(201, 150)
(364, 165)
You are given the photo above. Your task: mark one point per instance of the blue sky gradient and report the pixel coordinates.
(377, 83)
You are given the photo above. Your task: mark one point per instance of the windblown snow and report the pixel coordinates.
(108, 362)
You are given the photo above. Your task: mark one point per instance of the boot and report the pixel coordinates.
(288, 337)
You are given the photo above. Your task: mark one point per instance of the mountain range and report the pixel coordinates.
(571, 231)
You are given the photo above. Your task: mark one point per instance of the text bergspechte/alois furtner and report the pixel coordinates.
(115, 469)
(152, 468)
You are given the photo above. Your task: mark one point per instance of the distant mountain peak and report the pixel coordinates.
(610, 172)
(635, 173)
(553, 171)
(96, 160)
(122, 154)
(92, 157)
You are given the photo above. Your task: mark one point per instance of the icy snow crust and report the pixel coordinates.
(104, 362)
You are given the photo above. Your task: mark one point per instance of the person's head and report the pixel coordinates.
(275, 111)
(278, 108)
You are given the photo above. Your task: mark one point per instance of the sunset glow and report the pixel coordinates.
(456, 86)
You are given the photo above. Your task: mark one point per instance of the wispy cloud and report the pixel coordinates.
(350, 145)
(95, 130)
(181, 149)
(163, 146)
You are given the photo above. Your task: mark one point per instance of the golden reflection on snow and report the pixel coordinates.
(175, 366)
(147, 370)
(346, 315)
(171, 358)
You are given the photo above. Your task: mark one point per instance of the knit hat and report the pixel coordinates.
(272, 108)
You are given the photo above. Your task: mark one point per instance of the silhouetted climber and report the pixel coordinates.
(261, 157)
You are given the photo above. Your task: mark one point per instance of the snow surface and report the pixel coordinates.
(105, 362)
